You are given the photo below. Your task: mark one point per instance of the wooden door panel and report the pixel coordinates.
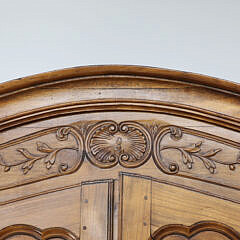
(135, 208)
(165, 211)
(97, 210)
(171, 204)
(57, 209)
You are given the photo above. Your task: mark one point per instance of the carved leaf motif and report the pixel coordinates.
(190, 154)
(51, 154)
(43, 147)
(194, 148)
(6, 166)
(50, 159)
(187, 158)
(195, 151)
(26, 153)
(209, 164)
(27, 166)
(31, 159)
(211, 153)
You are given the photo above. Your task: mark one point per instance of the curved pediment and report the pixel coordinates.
(123, 88)
(118, 143)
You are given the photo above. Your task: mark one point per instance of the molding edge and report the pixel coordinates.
(127, 70)
(37, 233)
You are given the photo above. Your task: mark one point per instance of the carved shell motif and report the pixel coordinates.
(109, 143)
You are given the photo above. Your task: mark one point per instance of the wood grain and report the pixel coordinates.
(58, 209)
(174, 205)
(23, 231)
(96, 210)
(136, 208)
(119, 153)
(198, 231)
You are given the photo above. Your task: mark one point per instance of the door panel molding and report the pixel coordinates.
(36, 233)
(196, 229)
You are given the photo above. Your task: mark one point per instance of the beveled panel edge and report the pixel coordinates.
(121, 70)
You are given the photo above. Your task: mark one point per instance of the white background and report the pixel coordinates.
(200, 36)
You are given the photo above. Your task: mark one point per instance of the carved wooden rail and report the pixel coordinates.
(108, 143)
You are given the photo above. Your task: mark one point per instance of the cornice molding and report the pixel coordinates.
(51, 77)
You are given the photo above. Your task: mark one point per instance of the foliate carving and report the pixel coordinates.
(109, 143)
(195, 147)
(36, 233)
(175, 150)
(47, 153)
(201, 230)
(40, 159)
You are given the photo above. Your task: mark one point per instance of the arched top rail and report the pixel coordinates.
(121, 70)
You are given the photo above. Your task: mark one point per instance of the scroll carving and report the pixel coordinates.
(109, 143)
(36, 233)
(189, 147)
(175, 150)
(201, 230)
(37, 159)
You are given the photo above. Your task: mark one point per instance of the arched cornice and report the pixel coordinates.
(123, 90)
(121, 70)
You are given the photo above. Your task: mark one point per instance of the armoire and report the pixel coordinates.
(119, 153)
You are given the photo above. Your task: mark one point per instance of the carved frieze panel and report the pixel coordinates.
(201, 231)
(174, 150)
(48, 153)
(188, 152)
